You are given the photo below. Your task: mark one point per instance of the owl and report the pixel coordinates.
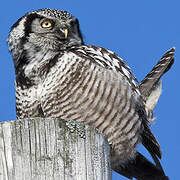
(58, 76)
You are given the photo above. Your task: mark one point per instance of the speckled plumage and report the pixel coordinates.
(59, 76)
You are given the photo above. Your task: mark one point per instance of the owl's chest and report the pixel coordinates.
(63, 77)
(75, 89)
(94, 96)
(82, 91)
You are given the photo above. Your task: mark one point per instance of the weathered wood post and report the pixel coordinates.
(51, 149)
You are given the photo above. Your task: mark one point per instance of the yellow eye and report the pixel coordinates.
(46, 23)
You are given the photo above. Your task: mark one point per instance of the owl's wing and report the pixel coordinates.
(150, 82)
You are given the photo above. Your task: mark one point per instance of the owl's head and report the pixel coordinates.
(45, 28)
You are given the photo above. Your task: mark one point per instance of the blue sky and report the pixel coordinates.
(139, 31)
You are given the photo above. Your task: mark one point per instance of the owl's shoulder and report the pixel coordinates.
(106, 59)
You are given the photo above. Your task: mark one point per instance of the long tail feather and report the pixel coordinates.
(141, 169)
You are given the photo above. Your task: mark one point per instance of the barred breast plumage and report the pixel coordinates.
(58, 76)
(82, 89)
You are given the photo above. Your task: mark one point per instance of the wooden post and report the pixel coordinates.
(51, 149)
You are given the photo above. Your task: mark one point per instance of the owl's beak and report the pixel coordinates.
(66, 33)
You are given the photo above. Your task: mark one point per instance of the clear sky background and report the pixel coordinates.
(140, 31)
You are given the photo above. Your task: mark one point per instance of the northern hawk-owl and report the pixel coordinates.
(57, 75)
